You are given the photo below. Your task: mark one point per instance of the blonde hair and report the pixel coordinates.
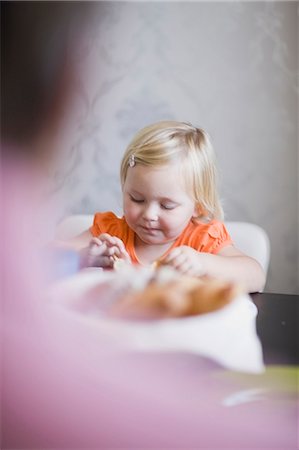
(168, 141)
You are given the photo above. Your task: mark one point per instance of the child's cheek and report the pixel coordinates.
(131, 212)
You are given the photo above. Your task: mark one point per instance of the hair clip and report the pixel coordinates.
(132, 161)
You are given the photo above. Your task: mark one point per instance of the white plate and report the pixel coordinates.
(227, 336)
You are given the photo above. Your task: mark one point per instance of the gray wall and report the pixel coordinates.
(229, 67)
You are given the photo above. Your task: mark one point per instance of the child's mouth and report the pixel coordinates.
(150, 230)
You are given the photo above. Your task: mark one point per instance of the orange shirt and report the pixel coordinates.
(204, 237)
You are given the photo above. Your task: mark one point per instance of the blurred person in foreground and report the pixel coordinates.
(58, 389)
(39, 41)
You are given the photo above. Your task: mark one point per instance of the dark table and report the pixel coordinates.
(278, 327)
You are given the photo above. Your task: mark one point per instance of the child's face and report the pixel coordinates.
(156, 204)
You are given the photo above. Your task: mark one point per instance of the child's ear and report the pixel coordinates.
(197, 211)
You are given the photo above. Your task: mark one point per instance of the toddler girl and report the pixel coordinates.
(172, 212)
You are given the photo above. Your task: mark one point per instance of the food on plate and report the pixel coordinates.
(179, 296)
(135, 292)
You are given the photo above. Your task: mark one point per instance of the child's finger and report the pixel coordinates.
(111, 251)
(115, 243)
(105, 261)
(119, 253)
(95, 249)
(105, 237)
(115, 246)
(118, 244)
(184, 267)
(175, 261)
(172, 256)
(96, 240)
(100, 260)
(180, 263)
(125, 255)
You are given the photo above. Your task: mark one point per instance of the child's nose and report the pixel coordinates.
(150, 212)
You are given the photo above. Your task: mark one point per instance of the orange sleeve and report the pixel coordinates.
(209, 237)
(218, 237)
(107, 222)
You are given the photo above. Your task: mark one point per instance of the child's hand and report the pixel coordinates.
(114, 247)
(94, 255)
(102, 251)
(186, 260)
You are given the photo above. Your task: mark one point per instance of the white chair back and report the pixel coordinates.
(252, 240)
(73, 225)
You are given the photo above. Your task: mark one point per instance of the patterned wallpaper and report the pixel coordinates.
(229, 67)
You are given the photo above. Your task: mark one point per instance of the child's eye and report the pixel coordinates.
(169, 207)
(136, 200)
